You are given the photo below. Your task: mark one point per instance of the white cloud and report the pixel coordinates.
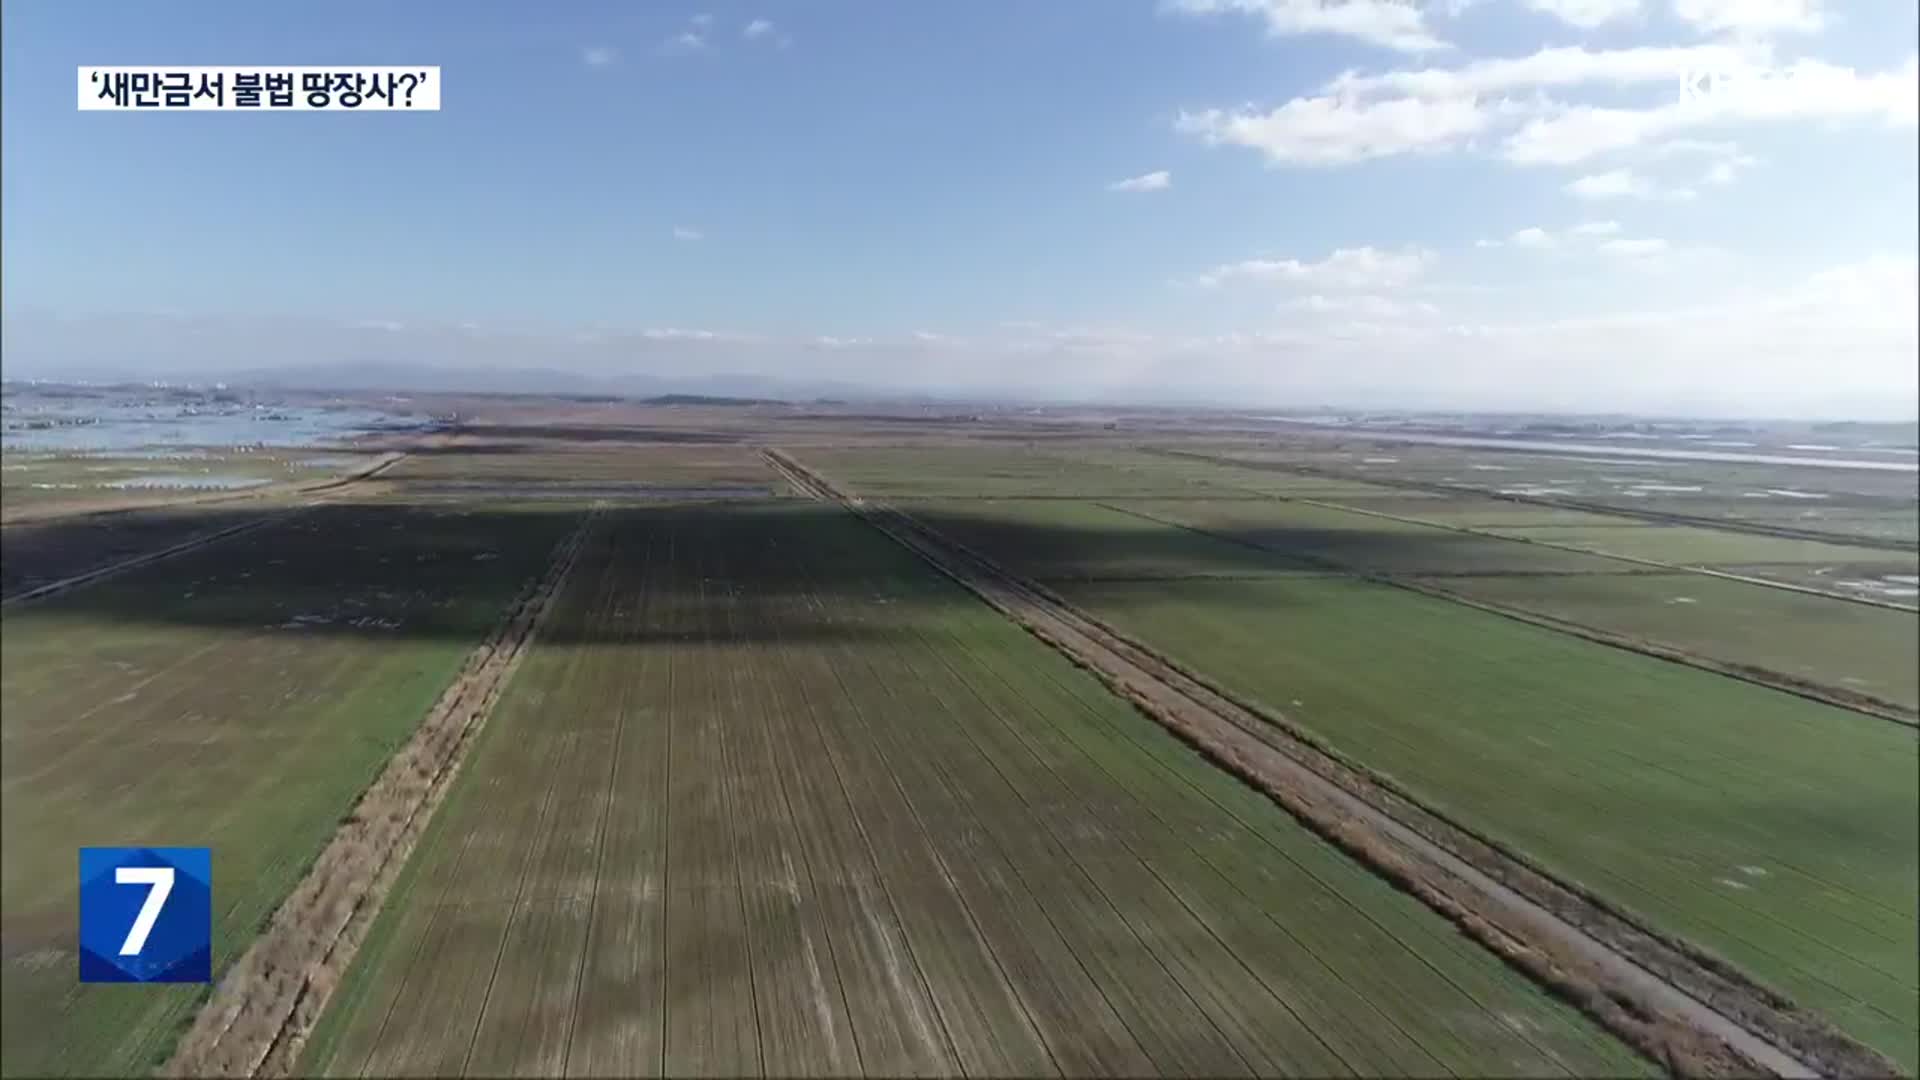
(1336, 131)
(1839, 343)
(1538, 239)
(1159, 180)
(1804, 90)
(1587, 14)
(1727, 84)
(1706, 147)
(1392, 24)
(1723, 172)
(1371, 305)
(1559, 66)
(693, 38)
(683, 232)
(1345, 268)
(1614, 184)
(1639, 247)
(763, 30)
(1749, 17)
(1534, 237)
(598, 56)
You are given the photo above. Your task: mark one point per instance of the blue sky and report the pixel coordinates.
(933, 196)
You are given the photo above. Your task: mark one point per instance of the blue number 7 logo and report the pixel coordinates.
(146, 914)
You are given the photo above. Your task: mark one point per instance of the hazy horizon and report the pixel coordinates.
(1501, 205)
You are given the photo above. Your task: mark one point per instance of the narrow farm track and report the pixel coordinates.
(1855, 701)
(1678, 1004)
(257, 1017)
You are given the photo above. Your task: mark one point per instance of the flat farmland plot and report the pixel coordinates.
(777, 799)
(1363, 542)
(1817, 639)
(1901, 523)
(1837, 502)
(478, 458)
(996, 472)
(1205, 473)
(1777, 832)
(38, 553)
(239, 696)
(1088, 540)
(1708, 547)
(1479, 512)
(1814, 638)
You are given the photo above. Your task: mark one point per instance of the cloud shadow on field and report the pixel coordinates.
(534, 438)
(395, 569)
(392, 571)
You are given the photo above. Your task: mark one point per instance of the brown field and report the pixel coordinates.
(1301, 754)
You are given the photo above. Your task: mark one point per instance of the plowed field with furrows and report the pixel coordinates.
(772, 797)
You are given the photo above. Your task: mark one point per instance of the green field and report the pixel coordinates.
(1707, 547)
(1778, 832)
(487, 459)
(240, 697)
(772, 797)
(769, 795)
(1841, 503)
(996, 472)
(1365, 542)
(1850, 646)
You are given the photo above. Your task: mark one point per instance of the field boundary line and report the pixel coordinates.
(1168, 777)
(1673, 1001)
(99, 573)
(263, 491)
(267, 517)
(1852, 701)
(1468, 530)
(260, 1013)
(1665, 517)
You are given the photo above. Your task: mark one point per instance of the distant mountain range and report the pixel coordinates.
(425, 378)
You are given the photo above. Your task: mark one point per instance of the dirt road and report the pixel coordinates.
(1679, 1006)
(260, 1013)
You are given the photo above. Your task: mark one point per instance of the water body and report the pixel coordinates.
(154, 421)
(1615, 451)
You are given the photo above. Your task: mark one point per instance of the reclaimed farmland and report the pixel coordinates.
(1775, 831)
(771, 797)
(1847, 646)
(240, 696)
